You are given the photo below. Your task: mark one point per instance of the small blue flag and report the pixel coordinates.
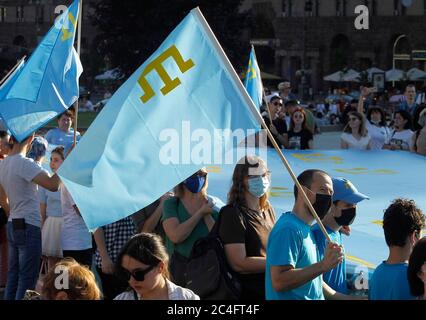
(47, 84)
(253, 81)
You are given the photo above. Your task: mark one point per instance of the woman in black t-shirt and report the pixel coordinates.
(246, 223)
(299, 136)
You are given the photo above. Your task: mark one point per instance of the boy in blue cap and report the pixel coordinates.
(342, 214)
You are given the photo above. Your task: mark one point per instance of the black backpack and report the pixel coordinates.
(208, 273)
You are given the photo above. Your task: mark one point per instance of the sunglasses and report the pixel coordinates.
(138, 275)
(277, 104)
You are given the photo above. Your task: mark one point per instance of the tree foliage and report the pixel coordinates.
(130, 31)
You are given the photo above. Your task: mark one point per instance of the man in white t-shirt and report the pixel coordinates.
(19, 177)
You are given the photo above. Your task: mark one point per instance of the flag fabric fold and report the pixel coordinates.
(47, 84)
(142, 143)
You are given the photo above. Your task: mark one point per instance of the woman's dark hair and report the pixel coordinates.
(147, 248)
(417, 259)
(372, 109)
(401, 219)
(406, 116)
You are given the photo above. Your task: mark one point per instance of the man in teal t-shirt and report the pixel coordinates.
(342, 214)
(402, 224)
(293, 270)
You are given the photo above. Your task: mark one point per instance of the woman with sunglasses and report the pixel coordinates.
(299, 136)
(143, 263)
(187, 217)
(246, 223)
(355, 135)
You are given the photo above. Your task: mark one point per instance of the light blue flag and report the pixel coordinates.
(160, 126)
(47, 84)
(253, 80)
(382, 175)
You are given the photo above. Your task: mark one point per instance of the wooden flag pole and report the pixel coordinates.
(78, 52)
(263, 89)
(257, 115)
(12, 70)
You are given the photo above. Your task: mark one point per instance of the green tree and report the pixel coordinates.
(130, 31)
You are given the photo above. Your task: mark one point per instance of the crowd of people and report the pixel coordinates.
(366, 125)
(146, 255)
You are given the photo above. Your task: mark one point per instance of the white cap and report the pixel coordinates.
(269, 98)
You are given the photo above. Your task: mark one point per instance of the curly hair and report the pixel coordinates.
(401, 219)
(236, 195)
(417, 259)
(81, 282)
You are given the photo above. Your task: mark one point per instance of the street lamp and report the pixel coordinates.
(393, 53)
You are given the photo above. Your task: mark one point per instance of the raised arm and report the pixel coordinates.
(287, 277)
(178, 232)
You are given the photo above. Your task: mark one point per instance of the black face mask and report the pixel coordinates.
(322, 204)
(347, 217)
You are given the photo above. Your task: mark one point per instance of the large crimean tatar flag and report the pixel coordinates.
(182, 94)
(253, 80)
(47, 84)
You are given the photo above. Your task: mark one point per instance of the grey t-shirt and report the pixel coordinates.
(16, 175)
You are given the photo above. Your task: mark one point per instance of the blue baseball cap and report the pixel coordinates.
(345, 191)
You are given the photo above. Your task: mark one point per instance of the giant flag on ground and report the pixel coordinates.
(253, 81)
(139, 146)
(47, 84)
(382, 175)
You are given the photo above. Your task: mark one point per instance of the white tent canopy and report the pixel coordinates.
(340, 76)
(395, 75)
(373, 70)
(113, 74)
(416, 74)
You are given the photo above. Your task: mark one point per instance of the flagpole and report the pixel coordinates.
(12, 70)
(263, 89)
(257, 115)
(78, 52)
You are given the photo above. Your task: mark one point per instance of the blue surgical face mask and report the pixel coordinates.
(195, 183)
(258, 186)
